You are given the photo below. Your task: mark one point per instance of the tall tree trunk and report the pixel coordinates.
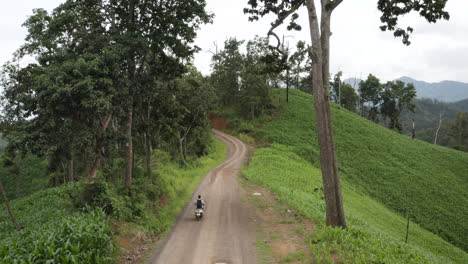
(56, 179)
(320, 71)
(148, 147)
(103, 123)
(71, 169)
(7, 203)
(86, 164)
(18, 177)
(181, 148)
(93, 170)
(129, 162)
(287, 83)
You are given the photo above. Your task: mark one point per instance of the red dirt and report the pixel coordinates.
(218, 122)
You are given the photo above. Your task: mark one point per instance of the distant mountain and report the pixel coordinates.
(427, 111)
(461, 105)
(446, 91)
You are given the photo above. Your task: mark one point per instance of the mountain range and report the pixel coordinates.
(446, 91)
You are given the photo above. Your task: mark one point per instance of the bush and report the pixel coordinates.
(79, 238)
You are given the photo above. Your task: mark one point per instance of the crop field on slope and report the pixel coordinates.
(375, 234)
(429, 182)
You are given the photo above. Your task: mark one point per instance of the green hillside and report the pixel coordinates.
(375, 233)
(406, 175)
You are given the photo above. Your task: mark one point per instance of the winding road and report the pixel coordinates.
(225, 235)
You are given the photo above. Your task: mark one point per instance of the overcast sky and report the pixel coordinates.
(358, 47)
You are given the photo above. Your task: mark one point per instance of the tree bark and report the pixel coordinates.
(287, 84)
(7, 203)
(103, 123)
(181, 148)
(149, 171)
(71, 170)
(129, 162)
(320, 71)
(18, 177)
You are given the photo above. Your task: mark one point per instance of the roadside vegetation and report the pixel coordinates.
(105, 126)
(375, 234)
(82, 223)
(386, 180)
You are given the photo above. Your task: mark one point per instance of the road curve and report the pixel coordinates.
(225, 235)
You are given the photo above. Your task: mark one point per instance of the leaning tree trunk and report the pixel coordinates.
(7, 202)
(320, 71)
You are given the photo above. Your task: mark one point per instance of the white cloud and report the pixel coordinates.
(438, 51)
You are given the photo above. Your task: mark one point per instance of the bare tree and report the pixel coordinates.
(441, 114)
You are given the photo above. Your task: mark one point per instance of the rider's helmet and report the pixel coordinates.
(199, 196)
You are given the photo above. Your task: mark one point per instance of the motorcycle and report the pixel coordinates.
(198, 214)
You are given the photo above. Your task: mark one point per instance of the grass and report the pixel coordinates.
(385, 176)
(33, 177)
(179, 184)
(397, 171)
(55, 231)
(375, 233)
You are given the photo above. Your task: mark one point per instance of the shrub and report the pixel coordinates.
(79, 238)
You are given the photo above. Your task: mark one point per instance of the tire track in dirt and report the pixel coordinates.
(225, 235)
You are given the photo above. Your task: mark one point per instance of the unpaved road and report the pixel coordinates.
(225, 235)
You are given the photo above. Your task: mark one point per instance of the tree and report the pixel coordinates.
(458, 131)
(370, 91)
(140, 29)
(343, 93)
(243, 80)
(227, 68)
(432, 10)
(70, 87)
(300, 64)
(256, 95)
(397, 97)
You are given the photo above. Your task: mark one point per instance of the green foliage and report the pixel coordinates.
(376, 161)
(300, 65)
(397, 97)
(33, 175)
(243, 80)
(458, 131)
(431, 10)
(344, 94)
(68, 225)
(52, 232)
(370, 91)
(375, 234)
(177, 184)
(396, 170)
(81, 238)
(387, 100)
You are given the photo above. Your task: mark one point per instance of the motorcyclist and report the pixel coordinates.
(199, 203)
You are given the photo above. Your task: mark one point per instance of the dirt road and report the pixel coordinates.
(225, 235)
